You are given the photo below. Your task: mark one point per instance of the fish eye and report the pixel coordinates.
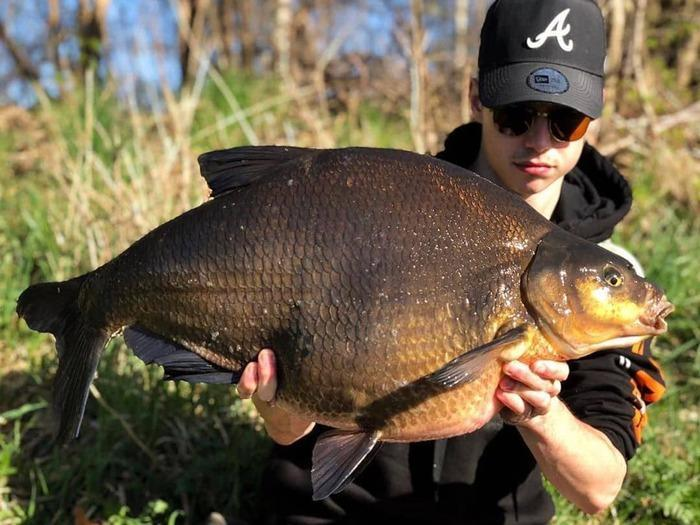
(612, 276)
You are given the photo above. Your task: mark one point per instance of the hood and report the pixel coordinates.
(594, 198)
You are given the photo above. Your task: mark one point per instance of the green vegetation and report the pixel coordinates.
(82, 179)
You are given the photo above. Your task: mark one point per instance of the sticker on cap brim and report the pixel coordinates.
(548, 80)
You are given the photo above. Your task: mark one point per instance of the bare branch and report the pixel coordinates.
(24, 64)
(642, 127)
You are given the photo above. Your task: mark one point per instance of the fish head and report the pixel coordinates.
(585, 298)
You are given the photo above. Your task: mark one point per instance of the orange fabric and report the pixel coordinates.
(639, 421)
(638, 348)
(636, 393)
(653, 390)
(640, 418)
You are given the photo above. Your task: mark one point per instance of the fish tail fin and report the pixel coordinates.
(53, 308)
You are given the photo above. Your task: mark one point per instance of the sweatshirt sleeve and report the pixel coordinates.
(610, 390)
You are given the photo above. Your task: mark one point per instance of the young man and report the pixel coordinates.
(540, 84)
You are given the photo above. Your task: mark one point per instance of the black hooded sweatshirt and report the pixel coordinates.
(488, 476)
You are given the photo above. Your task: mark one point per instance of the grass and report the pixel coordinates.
(83, 178)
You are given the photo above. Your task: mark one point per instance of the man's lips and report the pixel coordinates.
(533, 168)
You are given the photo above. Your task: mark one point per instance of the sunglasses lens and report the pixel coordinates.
(513, 120)
(568, 124)
(564, 124)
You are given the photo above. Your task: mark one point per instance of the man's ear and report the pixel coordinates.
(474, 102)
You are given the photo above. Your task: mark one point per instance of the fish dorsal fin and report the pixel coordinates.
(468, 366)
(227, 169)
(179, 363)
(338, 457)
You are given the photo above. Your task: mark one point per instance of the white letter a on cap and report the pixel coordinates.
(556, 28)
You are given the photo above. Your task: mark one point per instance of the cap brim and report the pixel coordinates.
(509, 84)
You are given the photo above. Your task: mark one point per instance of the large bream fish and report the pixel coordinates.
(391, 285)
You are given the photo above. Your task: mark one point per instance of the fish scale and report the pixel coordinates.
(391, 286)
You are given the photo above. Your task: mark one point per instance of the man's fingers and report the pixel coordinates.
(547, 388)
(556, 388)
(267, 375)
(522, 406)
(521, 373)
(519, 401)
(259, 378)
(248, 383)
(553, 370)
(539, 401)
(511, 401)
(527, 391)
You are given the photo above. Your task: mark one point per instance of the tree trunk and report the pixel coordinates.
(246, 36)
(638, 52)
(283, 33)
(461, 59)
(223, 25)
(53, 38)
(92, 33)
(303, 56)
(191, 27)
(418, 77)
(688, 53)
(615, 46)
(185, 14)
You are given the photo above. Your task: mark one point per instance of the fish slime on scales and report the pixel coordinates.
(392, 287)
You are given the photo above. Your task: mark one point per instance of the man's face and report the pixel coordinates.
(528, 163)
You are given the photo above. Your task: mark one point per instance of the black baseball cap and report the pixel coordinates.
(543, 51)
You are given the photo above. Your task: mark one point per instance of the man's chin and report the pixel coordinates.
(535, 185)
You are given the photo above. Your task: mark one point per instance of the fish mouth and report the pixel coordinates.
(654, 319)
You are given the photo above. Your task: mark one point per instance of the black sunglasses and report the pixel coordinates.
(565, 124)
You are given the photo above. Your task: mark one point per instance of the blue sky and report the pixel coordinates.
(136, 29)
(142, 45)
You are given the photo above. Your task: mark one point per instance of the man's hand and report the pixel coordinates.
(527, 391)
(259, 382)
(571, 453)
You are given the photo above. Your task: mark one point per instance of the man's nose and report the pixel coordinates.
(538, 137)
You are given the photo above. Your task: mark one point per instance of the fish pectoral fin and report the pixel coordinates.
(178, 362)
(338, 457)
(231, 168)
(468, 366)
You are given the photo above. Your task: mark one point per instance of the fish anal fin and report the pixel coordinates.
(227, 169)
(468, 366)
(178, 362)
(338, 457)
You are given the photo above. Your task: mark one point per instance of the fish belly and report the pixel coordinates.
(417, 412)
(450, 413)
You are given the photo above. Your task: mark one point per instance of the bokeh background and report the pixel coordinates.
(104, 107)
